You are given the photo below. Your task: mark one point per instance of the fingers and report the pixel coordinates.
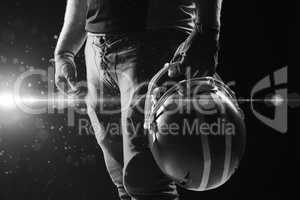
(65, 78)
(174, 69)
(73, 89)
(71, 81)
(66, 85)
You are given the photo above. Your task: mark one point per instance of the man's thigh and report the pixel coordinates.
(103, 103)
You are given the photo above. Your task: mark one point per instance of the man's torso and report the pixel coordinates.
(119, 16)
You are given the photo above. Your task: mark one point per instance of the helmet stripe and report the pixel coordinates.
(228, 146)
(207, 162)
(228, 141)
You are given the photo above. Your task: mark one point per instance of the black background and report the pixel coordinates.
(253, 45)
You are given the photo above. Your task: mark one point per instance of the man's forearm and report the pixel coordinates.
(209, 13)
(73, 33)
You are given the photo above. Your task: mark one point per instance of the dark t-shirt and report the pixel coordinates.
(119, 16)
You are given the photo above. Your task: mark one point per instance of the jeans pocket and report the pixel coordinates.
(105, 61)
(109, 41)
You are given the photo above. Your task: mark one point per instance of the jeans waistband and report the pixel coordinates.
(140, 34)
(132, 38)
(96, 34)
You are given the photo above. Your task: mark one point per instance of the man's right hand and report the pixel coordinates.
(66, 73)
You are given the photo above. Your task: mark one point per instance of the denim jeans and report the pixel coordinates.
(118, 69)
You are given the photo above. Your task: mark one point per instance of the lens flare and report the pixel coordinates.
(277, 100)
(7, 101)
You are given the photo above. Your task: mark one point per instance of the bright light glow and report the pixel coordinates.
(29, 100)
(7, 101)
(277, 100)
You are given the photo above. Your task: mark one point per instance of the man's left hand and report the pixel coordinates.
(198, 53)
